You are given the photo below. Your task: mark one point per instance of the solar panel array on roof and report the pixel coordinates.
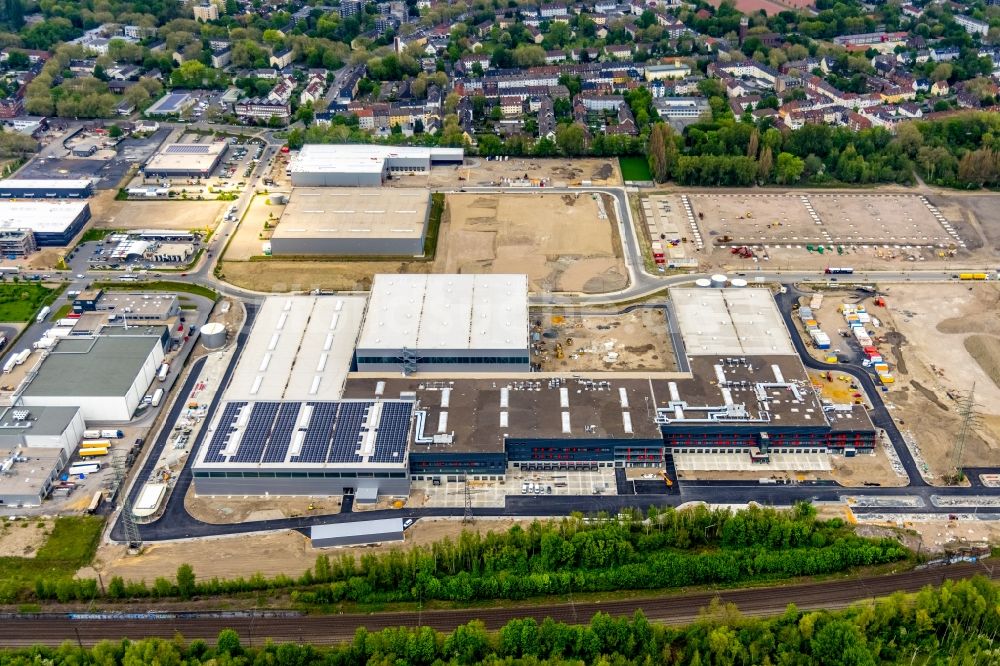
(258, 430)
(347, 432)
(336, 432)
(222, 432)
(187, 149)
(317, 440)
(284, 426)
(393, 432)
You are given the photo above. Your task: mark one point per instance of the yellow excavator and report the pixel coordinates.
(666, 479)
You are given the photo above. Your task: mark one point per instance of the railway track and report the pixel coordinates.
(332, 629)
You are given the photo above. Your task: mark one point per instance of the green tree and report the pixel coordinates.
(185, 581)
(229, 643)
(788, 169)
(571, 139)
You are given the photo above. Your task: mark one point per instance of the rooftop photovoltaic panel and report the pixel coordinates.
(340, 432)
(347, 432)
(317, 439)
(222, 431)
(187, 149)
(281, 437)
(171, 102)
(393, 432)
(257, 432)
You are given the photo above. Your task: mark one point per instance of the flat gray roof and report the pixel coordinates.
(356, 529)
(327, 212)
(101, 366)
(732, 321)
(42, 422)
(186, 156)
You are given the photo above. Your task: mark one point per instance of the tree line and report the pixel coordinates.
(961, 151)
(956, 623)
(663, 548)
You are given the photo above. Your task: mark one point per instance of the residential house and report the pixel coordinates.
(281, 58)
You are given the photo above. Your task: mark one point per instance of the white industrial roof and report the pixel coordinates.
(355, 212)
(447, 312)
(45, 183)
(299, 349)
(44, 216)
(730, 321)
(359, 158)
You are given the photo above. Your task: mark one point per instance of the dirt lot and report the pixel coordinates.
(943, 342)
(933, 536)
(877, 231)
(183, 215)
(634, 341)
(563, 243)
(289, 553)
(22, 538)
(555, 172)
(247, 241)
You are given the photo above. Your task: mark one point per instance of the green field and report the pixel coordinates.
(71, 545)
(159, 285)
(19, 301)
(635, 168)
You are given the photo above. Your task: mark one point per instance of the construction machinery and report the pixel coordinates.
(666, 479)
(559, 350)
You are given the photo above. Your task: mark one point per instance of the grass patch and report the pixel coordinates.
(71, 545)
(635, 168)
(91, 235)
(20, 301)
(159, 285)
(63, 310)
(433, 225)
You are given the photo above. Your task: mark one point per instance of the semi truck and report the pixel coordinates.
(112, 434)
(164, 369)
(42, 314)
(839, 271)
(157, 397)
(91, 434)
(84, 468)
(973, 276)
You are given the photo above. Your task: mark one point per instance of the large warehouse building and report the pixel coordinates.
(185, 160)
(445, 323)
(53, 223)
(46, 188)
(106, 376)
(356, 222)
(362, 165)
(283, 427)
(35, 445)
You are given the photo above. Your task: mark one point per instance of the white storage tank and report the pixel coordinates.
(704, 283)
(719, 280)
(738, 282)
(213, 335)
(277, 199)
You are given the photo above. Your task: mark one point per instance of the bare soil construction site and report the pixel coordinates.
(634, 341)
(733, 230)
(563, 242)
(940, 340)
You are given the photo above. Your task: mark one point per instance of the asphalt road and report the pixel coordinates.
(332, 629)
